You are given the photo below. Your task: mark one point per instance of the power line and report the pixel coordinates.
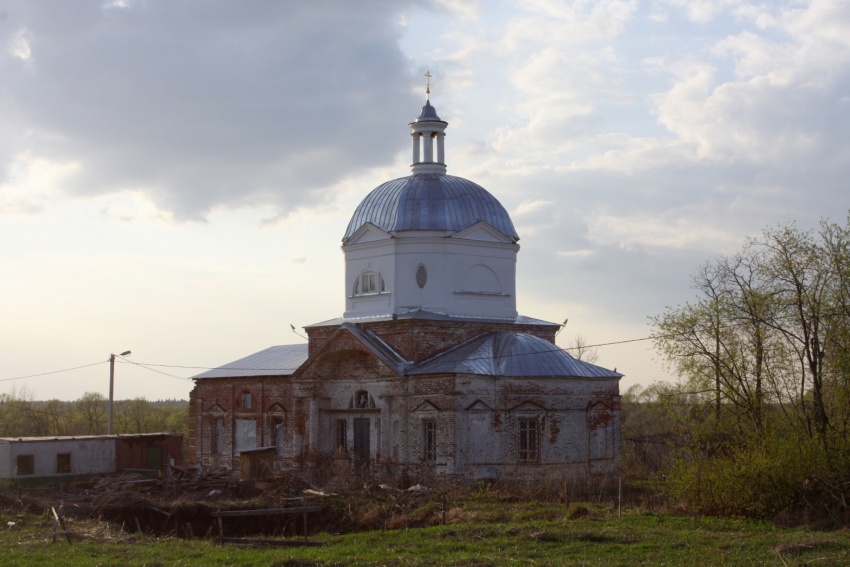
(148, 367)
(53, 372)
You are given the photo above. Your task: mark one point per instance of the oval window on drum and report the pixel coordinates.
(421, 276)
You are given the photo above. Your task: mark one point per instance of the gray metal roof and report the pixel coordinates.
(510, 354)
(88, 437)
(424, 315)
(377, 345)
(280, 360)
(430, 201)
(428, 114)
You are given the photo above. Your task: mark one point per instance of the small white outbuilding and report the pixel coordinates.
(23, 457)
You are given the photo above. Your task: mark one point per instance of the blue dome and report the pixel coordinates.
(430, 201)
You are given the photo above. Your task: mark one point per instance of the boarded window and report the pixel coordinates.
(362, 441)
(341, 437)
(25, 465)
(480, 432)
(63, 463)
(528, 441)
(600, 433)
(429, 440)
(278, 437)
(216, 439)
(245, 435)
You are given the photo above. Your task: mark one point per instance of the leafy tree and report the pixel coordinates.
(92, 411)
(763, 353)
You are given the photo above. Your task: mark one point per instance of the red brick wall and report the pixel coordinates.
(327, 383)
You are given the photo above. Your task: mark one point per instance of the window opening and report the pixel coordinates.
(429, 440)
(361, 400)
(247, 401)
(341, 437)
(216, 439)
(278, 436)
(369, 282)
(528, 441)
(25, 465)
(63, 462)
(244, 435)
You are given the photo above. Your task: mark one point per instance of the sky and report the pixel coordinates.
(176, 177)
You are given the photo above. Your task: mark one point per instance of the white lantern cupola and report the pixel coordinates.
(425, 131)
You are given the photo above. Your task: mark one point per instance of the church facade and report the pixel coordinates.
(430, 371)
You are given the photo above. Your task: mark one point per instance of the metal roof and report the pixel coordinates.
(377, 345)
(510, 354)
(430, 201)
(425, 315)
(48, 438)
(280, 360)
(428, 114)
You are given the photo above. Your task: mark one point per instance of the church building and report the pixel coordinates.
(430, 371)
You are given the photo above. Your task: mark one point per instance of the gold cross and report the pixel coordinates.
(428, 86)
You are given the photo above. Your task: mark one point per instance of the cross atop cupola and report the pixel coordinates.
(424, 130)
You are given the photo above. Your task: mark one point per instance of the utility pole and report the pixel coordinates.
(111, 386)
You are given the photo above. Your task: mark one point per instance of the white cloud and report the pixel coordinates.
(19, 46)
(703, 11)
(579, 254)
(527, 207)
(570, 23)
(31, 182)
(630, 232)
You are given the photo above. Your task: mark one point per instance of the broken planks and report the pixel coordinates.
(303, 510)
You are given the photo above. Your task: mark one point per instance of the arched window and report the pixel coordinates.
(361, 400)
(369, 282)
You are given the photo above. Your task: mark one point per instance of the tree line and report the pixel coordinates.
(758, 423)
(23, 416)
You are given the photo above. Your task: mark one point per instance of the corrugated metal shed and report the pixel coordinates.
(510, 354)
(430, 201)
(280, 360)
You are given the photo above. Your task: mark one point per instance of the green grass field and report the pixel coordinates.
(486, 534)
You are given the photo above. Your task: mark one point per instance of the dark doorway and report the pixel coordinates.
(361, 441)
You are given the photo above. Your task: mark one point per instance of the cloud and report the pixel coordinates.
(227, 106)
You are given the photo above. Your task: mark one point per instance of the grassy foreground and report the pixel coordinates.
(527, 534)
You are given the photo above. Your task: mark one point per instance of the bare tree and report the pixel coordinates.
(581, 351)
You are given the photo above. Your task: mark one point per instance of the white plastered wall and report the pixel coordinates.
(469, 274)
